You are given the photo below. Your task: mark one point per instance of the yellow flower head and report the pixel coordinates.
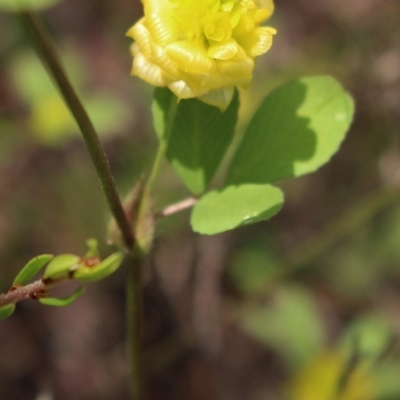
(201, 48)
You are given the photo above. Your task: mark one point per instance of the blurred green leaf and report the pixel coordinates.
(50, 119)
(252, 267)
(32, 268)
(200, 137)
(388, 382)
(221, 210)
(63, 301)
(107, 111)
(101, 270)
(6, 311)
(93, 248)
(290, 325)
(61, 265)
(25, 5)
(31, 79)
(296, 130)
(372, 333)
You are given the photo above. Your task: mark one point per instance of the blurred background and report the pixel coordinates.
(303, 307)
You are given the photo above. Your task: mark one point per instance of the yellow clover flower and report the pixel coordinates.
(201, 48)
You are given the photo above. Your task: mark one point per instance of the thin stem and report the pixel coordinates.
(177, 207)
(134, 309)
(134, 300)
(46, 51)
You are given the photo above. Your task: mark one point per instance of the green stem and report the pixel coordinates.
(134, 301)
(46, 51)
(49, 57)
(134, 309)
(162, 147)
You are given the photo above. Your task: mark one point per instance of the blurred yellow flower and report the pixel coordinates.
(320, 379)
(201, 48)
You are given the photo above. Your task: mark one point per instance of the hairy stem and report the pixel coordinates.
(48, 55)
(46, 51)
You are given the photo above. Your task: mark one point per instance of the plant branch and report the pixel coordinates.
(34, 291)
(46, 51)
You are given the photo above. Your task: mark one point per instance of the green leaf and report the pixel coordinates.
(26, 5)
(93, 248)
(63, 301)
(234, 206)
(199, 137)
(6, 311)
(61, 265)
(32, 268)
(160, 106)
(101, 270)
(296, 130)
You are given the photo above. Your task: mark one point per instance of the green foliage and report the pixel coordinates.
(252, 266)
(371, 333)
(93, 248)
(160, 106)
(49, 118)
(25, 5)
(388, 382)
(32, 268)
(199, 138)
(61, 265)
(296, 130)
(290, 325)
(234, 206)
(101, 270)
(6, 311)
(63, 301)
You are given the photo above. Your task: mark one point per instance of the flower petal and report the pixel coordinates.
(190, 56)
(223, 51)
(147, 71)
(201, 48)
(220, 98)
